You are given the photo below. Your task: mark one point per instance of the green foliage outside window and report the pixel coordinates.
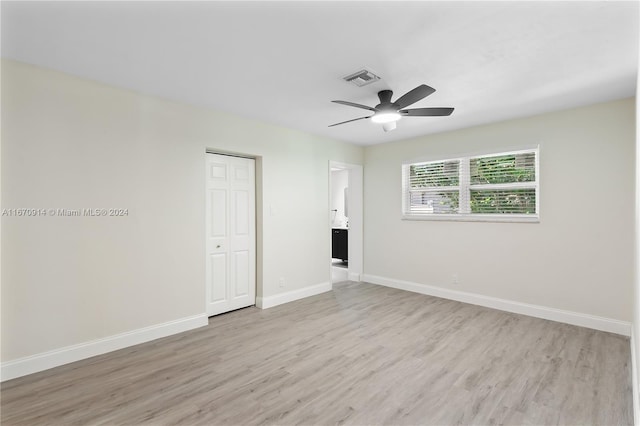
(498, 170)
(515, 201)
(495, 170)
(435, 174)
(503, 169)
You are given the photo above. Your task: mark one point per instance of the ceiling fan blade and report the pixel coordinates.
(413, 96)
(355, 105)
(426, 112)
(349, 121)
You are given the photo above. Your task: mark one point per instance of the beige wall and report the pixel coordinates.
(578, 258)
(72, 143)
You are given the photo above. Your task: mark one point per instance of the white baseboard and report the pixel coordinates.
(43, 361)
(290, 296)
(634, 379)
(568, 317)
(354, 276)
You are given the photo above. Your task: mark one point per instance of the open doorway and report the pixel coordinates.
(345, 220)
(339, 224)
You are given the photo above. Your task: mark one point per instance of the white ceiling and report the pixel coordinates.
(282, 62)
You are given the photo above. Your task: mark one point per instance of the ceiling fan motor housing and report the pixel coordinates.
(385, 98)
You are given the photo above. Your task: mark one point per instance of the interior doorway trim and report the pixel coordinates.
(355, 201)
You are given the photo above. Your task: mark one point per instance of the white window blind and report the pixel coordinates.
(434, 187)
(482, 187)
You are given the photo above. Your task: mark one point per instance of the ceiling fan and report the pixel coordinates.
(388, 113)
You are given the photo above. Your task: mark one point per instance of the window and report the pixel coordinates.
(501, 187)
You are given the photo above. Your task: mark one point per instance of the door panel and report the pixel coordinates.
(231, 238)
(218, 171)
(242, 212)
(241, 172)
(218, 206)
(241, 259)
(218, 274)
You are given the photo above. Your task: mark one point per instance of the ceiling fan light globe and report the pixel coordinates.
(387, 127)
(386, 117)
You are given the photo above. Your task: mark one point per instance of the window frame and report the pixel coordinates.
(464, 185)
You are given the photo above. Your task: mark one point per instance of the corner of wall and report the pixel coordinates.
(290, 296)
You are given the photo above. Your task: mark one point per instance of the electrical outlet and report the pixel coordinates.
(454, 279)
(281, 282)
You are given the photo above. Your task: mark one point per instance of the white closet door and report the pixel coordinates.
(231, 233)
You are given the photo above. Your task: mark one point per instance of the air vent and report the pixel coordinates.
(362, 78)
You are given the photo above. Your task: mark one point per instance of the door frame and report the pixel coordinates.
(258, 204)
(355, 203)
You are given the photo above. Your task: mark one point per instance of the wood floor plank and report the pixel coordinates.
(361, 354)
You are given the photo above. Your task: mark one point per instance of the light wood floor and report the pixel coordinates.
(362, 354)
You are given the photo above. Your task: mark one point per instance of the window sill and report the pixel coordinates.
(474, 218)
